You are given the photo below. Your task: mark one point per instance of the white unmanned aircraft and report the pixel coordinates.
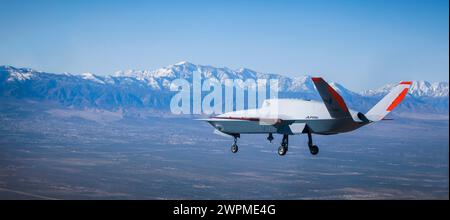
(291, 116)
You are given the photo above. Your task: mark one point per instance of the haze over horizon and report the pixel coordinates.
(359, 44)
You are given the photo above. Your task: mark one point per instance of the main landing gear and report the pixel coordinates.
(284, 145)
(234, 147)
(312, 148)
(282, 150)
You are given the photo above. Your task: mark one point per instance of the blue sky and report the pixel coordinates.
(361, 44)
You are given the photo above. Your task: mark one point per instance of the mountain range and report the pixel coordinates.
(145, 89)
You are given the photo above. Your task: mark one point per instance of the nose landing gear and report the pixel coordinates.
(234, 147)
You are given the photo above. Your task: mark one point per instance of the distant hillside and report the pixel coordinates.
(150, 89)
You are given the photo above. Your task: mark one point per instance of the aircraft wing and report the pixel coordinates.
(264, 121)
(333, 101)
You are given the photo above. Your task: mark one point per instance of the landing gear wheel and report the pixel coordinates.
(284, 145)
(282, 150)
(314, 149)
(234, 148)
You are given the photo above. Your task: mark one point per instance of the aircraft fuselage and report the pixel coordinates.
(290, 113)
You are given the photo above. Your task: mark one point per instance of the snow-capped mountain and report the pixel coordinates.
(418, 89)
(150, 88)
(160, 79)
